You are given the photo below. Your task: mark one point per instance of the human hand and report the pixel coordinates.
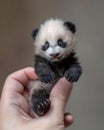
(15, 111)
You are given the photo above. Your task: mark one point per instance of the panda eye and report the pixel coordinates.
(45, 46)
(61, 43)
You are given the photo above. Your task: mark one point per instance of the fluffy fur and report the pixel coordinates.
(54, 58)
(51, 31)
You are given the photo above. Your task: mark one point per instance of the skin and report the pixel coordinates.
(14, 109)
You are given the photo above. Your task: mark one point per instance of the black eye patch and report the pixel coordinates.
(61, 43)
(45, 46)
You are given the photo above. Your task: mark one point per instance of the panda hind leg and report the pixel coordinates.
(40, 102)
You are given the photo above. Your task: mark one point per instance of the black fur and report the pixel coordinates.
(48, 71)
(71, 26)
(44, 70)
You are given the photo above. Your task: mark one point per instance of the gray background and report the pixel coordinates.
(19, 17)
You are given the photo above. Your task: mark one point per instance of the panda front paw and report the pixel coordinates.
(48, 78)
(73, 74)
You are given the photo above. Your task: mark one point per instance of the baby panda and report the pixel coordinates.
(54, 58)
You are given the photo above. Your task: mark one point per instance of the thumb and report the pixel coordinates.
(59, 96)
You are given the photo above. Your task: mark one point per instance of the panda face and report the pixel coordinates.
(54, 41)
(54, 52)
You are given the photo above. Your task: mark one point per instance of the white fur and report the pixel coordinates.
(51, 31)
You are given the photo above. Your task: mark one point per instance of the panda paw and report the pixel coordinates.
(40, 102)
(72, 74)
(42, 107)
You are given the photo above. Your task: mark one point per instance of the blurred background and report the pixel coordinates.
(17, 20)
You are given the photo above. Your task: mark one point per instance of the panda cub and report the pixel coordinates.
(54, 58)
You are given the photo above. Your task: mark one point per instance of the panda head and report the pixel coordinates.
(54, 39)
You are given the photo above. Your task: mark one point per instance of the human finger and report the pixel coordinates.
(16, 81)
(68, 119)
(60, 95)
(13, 89)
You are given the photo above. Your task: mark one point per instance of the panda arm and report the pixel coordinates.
(43, 69)
(73, 70)
(73, 73)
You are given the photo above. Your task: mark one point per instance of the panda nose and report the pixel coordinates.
(54, 55)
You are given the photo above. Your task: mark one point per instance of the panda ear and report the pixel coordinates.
(71, 26)
(35, 32)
